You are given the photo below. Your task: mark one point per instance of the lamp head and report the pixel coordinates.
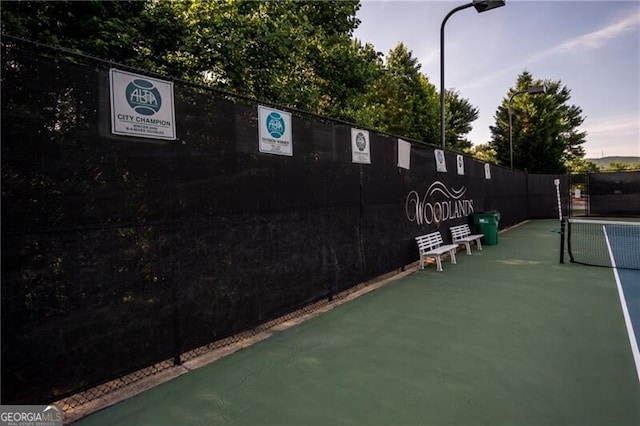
(484, 5)
(534, 90)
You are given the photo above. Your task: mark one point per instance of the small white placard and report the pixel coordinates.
(141, 106)
(487, 171)
(360, 149)
(404, 154)
(274, 131)
(441, 163)
(460, 164)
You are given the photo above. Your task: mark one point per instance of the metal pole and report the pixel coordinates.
(442, 111)
(510, 137)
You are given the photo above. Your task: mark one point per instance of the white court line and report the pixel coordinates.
(625, 311)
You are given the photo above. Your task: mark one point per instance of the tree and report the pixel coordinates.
(289, 52)
(482, 152)
(430, 126)
(580, 165)
(356, 69)
(621, 167)
(109, 30)
(545, 135)
(460, 115)
(401, 100)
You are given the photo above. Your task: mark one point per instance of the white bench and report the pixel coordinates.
(431, 245)
(462, 234)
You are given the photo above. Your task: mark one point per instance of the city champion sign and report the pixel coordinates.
(141, 106)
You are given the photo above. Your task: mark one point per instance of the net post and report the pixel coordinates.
(562, 227)
(569, 240)
(556, 182)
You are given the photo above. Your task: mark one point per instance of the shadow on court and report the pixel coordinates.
(506, 337)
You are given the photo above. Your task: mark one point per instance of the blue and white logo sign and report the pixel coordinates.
(275, 125)
(143, 97)
(141, 106)
(274, 131)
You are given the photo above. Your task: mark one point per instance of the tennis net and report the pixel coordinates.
(615, 244)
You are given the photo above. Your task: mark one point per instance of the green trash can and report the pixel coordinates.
(487, 223)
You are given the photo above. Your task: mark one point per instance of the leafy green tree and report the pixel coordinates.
(545, 128)
(460, 115)
(109, 30)
(355, 69)
(401, 100)
(288, 52)
(482, 152)
(580, 165)
(621, 167)
(430, 124)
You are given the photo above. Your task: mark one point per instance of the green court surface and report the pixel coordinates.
(508, 336)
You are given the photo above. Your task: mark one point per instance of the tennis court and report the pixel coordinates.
(507, 336)
(613, 243)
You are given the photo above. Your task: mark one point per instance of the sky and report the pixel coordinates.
(592, 47)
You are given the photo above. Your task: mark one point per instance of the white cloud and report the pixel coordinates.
(619, 125)
(596, 39)
(592, 40)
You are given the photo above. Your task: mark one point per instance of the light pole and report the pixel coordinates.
(532, 90)
(481, 6)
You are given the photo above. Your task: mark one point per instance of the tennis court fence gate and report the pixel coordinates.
(615, 194)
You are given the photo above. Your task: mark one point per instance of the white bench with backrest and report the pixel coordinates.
(431, 245)
(462, 235)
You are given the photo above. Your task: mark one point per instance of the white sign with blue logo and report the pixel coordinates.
(274, 131)
(141, 106)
